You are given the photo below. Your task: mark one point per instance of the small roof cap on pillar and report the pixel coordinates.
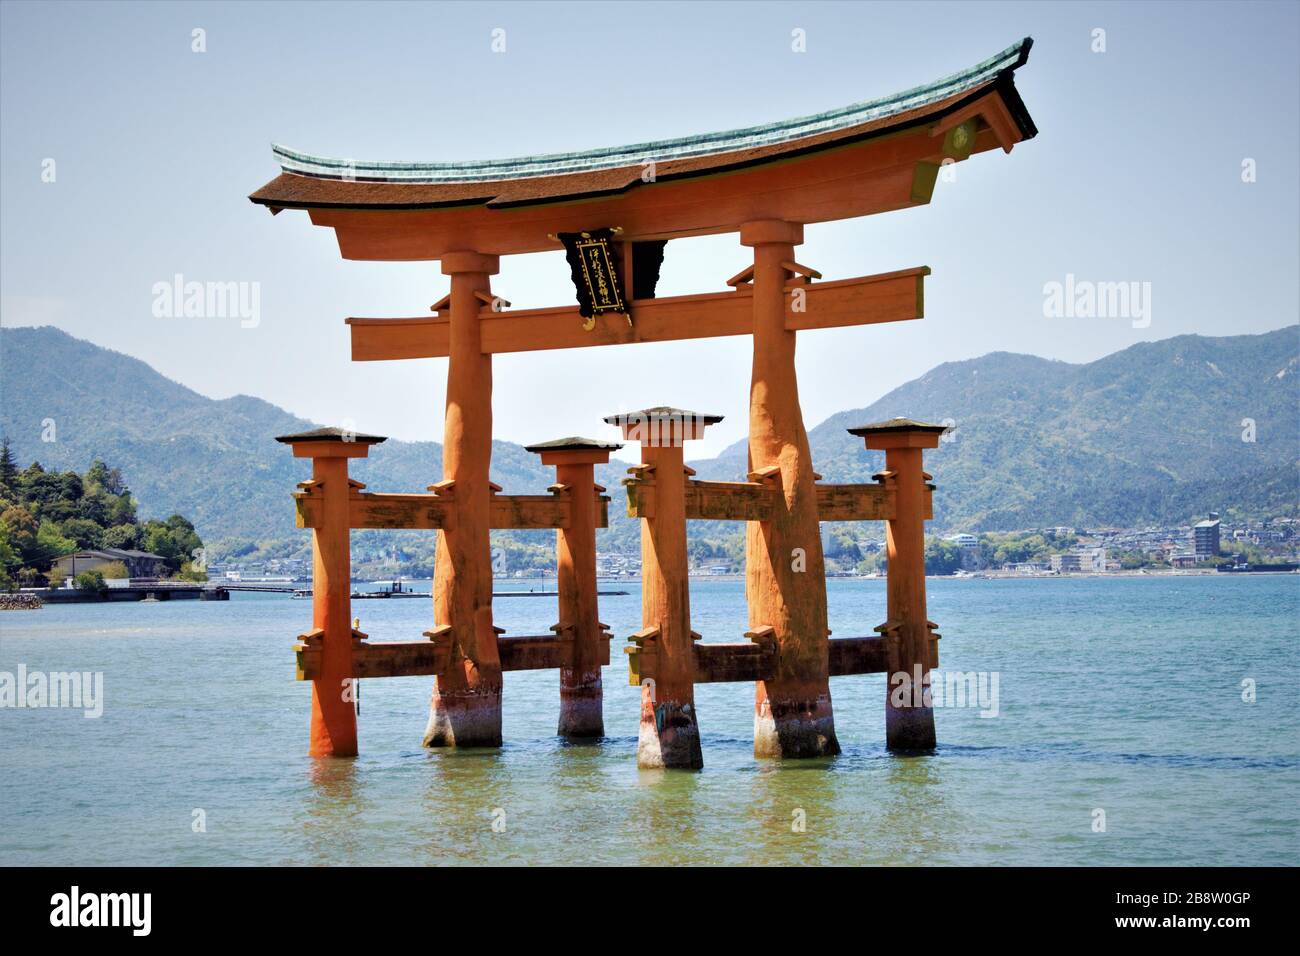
(662, 426)
(331, 434)
(900, 433)
(574, 444)
(661, 413)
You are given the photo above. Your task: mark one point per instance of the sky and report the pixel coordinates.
(1136, 176)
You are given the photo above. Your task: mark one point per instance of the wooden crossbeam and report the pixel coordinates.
(855, 502)
(865, 300)
(535, 652)
(542, 651)
(754, 501)
(431, 511)
(730, 500)
(387, 659)
(718, 663)
(529, 511)
(859, 655)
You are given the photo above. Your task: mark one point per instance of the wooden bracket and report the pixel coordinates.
(742, 278)
(641, 655)
(797, 269)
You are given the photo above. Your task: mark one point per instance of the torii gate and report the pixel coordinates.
(764, 183)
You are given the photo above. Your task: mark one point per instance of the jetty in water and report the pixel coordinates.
(139, 592)
(613, 211)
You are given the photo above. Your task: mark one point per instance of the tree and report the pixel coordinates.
(89, 581)
(21, 526)
(942, 557)
(124, 537)
(114, 569)
(8, 470)
(175, 540)
(87, 534)
(8, 559)
(51, 544)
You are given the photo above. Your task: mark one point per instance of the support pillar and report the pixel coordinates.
(465, 709)
(581, 690)
(669, 736)
(909, 718)
(785, 576)
(333, 709)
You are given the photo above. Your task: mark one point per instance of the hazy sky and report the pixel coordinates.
(1136, 175)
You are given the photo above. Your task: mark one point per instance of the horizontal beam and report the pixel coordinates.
(541, 652)
(431, 511)
(855, 502)
(730, 500)
(754, 501)
(387, 659)
(717, 663)
(530, 653)
(858, 655)
(865, 300)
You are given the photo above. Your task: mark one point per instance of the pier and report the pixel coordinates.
(139, 592)
(763, 185)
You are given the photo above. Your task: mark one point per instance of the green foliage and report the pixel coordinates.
(173, 539)
(46, 515)
(89, 581)
(87, 534)
(114, 570)
(124, 537)
(51, 544)
(189, 572)
(941, 557)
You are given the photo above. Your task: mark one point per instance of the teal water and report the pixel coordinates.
(1119, 694)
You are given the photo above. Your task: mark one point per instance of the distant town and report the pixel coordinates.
(1208, 545)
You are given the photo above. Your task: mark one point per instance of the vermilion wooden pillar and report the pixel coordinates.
(909, 721)
(669, 735)
(581, 691)
(333, 710)
(465, 710)
(785, 577)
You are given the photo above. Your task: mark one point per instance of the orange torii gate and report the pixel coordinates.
(764, 183)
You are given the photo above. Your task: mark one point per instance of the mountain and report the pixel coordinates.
(1149, 434)
(1153, 433)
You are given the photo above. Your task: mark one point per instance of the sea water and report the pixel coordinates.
(1140, 720)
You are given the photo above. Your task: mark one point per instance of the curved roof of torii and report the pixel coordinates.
(315, 182)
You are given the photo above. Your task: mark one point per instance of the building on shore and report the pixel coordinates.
(1205, 537)
(139, 564)
(1081, 561)
(972, 556)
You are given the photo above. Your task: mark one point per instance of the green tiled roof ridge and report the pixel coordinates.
(687, 147)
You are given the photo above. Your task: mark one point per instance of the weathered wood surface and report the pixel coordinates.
(431, 511)
(855, 502)
(529, 511)
(717, 663)
(862, 300)
(858, 655)
(387, 659)
(754, 501)
(729, 500)
(534, 652)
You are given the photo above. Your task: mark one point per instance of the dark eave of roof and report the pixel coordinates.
(308, 182)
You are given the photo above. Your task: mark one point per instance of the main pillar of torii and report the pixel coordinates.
(465, 709)
(785, 578)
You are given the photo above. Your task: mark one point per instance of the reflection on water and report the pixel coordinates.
(1104, 704)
